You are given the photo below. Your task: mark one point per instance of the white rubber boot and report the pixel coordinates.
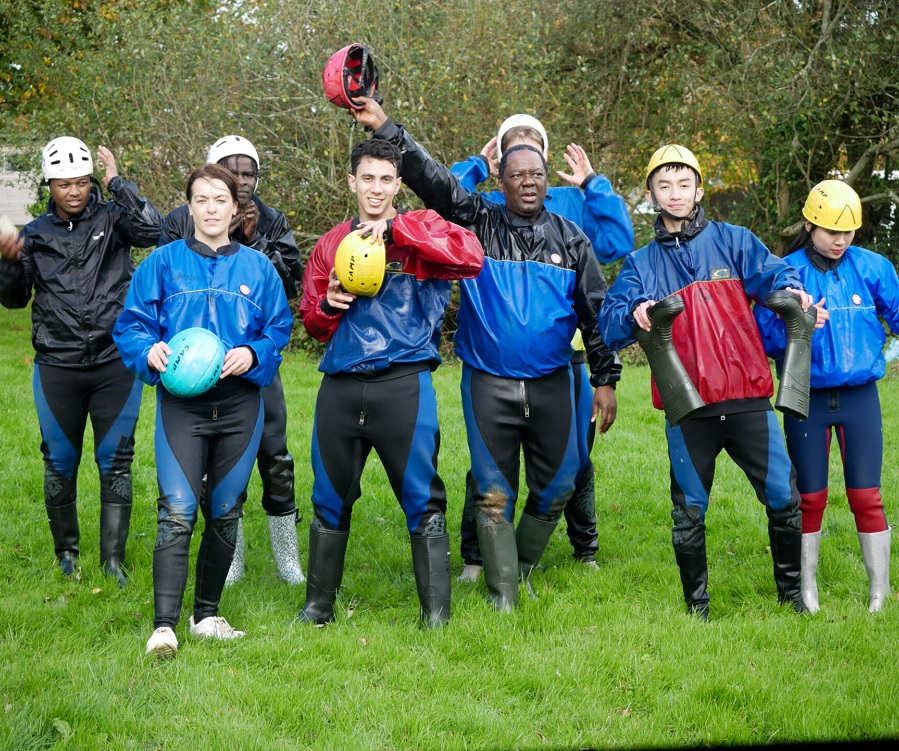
(811, 544)
(876, 554)
(283, 532)
(235, 573)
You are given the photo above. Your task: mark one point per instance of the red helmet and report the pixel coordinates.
(349, 73)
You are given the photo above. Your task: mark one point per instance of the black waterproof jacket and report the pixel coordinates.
(79, 270)
(273, 237)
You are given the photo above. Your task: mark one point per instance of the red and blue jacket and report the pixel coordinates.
(718, 269)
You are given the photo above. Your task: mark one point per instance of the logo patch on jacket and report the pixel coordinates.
(556, 258)
(244, 289)
(394, 267)
(856, 299)
(720, 274)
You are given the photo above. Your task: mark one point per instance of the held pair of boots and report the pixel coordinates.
(327, 553)
(510, 555)
(115, 520)
(283, 533)
(876, 555)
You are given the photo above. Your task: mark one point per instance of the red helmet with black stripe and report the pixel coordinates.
(349, 73)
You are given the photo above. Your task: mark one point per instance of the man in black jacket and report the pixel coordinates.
(76, 261)
(264, 229)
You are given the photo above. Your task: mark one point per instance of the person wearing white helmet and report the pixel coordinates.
(592, 204)
(862, 288)
(712, 271)
(75, 260)
(265, 229)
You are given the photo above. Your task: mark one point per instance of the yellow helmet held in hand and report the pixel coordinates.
(359, 265)
(672, 153)
(833, 205)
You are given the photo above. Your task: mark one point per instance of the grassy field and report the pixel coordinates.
(602, 659)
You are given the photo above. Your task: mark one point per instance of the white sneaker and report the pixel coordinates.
(163, 644)
(590, 564)
(214, 627)
(471, 572)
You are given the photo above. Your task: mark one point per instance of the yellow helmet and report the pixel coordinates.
(672, 153)
(833, 205)
(359, 265)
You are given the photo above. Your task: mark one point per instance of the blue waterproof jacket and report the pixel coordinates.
(234, 292)
(597, 209)
(848, 350)
(539, 283)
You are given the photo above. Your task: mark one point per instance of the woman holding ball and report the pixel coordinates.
(209, 282)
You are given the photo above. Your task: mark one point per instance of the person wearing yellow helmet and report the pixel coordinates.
(716, 269)
(382, 328)
(862, 290)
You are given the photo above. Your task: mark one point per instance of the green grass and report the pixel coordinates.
(600, 659)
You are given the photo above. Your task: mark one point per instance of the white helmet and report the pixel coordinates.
(517, 121)
(66, 157)
(231, 146)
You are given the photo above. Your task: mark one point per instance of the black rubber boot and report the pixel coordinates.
(580, 518)
(171, 556)
(277, 484)
(688, 539)
(431, 565)
(531, 538)
(115, 520)
(785, 535)
(324, 572)
(500, 556)
(213, 562)
(679, 396)
(795, 373)
(64, 528)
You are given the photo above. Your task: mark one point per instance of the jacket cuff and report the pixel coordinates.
(587, 180)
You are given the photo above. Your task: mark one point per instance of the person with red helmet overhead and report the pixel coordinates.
(860, 287)
(714, 270)
(75, 259)
(592, 204)
(375, 289)
(265, 229)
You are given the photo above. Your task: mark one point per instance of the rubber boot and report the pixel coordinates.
(431, 565)
(64, 528)
(115, 520)
(580, 516)
(531, 538)
(213, 565)
(283, 533)
(785, 536)
(235, 572)
(688, 539)
(876, 554)
(500, 555)
(679, 396)
(795, 373)
(327, 552)
(811, 544)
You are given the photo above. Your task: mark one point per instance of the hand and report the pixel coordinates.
(105, 157)
(804, 297)
(338, 297)
(581, 169)
(823, 313)
(158, 357)
(375, 232)
(606, 404)
(237, 362)
(10, 247)
(641, 315)
(248, 215)
(489, 152)
(371, 115)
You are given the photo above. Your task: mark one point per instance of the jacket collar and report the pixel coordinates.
(691, 227)
(204, 250)
(95, 199)
(821, 262)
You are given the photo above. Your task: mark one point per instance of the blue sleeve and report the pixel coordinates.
(886, 292)
(772, 329)
(274, 334)
(761, 271)
(607, 222)
(616, 324)
(137, 328)
(471, 173)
